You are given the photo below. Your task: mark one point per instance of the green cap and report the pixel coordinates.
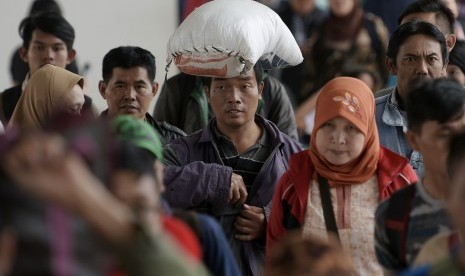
(139, 133)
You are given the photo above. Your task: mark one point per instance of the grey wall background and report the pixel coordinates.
(99, 25)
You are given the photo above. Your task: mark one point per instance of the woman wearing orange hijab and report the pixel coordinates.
(336, 185)
(50, 90)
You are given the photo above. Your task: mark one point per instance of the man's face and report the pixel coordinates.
(442, 25)
(234, 101)
(429, 17)
(433, 143)
(45, 48)
(129, 91)
(419, 58)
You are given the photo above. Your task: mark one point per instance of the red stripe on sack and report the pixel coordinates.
(182, 59)
(216, 72)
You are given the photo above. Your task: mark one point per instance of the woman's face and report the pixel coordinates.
(74, 100)
(339, 141)
(341, 7)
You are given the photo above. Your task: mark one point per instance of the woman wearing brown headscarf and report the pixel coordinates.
(50, 89)
(349, 37)
(345, 160)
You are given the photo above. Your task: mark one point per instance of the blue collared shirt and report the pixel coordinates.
(392, 126)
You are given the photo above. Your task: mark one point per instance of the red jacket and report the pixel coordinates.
(290, 198)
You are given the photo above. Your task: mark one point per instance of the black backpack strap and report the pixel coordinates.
(326, 203)
(397, 220)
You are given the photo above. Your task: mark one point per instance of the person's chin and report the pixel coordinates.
(338, 160)
(129, 111)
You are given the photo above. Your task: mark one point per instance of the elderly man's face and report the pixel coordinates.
(128, 92)
(419, 58)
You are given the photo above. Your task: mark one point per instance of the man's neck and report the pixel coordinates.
(243, 137)
(435, 184)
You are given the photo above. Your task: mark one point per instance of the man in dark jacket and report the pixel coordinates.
(231, 168)
(129, 87)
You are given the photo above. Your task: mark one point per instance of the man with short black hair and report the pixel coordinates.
(129, 87)
(417, 51)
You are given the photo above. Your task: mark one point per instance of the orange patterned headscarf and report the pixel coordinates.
(353, 100)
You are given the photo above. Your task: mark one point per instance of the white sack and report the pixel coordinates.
(223, 38)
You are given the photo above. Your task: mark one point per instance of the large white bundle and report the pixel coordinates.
(223, 38)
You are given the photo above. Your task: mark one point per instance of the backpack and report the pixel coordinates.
(397, 220)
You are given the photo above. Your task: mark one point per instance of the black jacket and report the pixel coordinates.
(167, 132)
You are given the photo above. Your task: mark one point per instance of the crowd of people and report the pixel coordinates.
(351, 163)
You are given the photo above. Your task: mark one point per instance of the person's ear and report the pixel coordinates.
(412, 139)
(71, 56)
(261, 85)
(154, 88)
(390, 66)
(450, 41)
(102, 88)
(207, 92)
(23, 54)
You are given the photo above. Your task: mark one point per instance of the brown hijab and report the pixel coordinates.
(353, 100)
(44, 94)
(344, 28)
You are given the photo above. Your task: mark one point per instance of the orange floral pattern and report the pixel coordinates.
(351, 102)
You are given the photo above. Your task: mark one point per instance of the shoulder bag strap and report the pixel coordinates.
(327, 205)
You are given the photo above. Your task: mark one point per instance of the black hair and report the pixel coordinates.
(44, 6)
(456, 153)
(409, 29)
(52, 23)
(259, 75)
(441, 11)
(457, 55)
(440, 100)
(129, 157)
(128, 57)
